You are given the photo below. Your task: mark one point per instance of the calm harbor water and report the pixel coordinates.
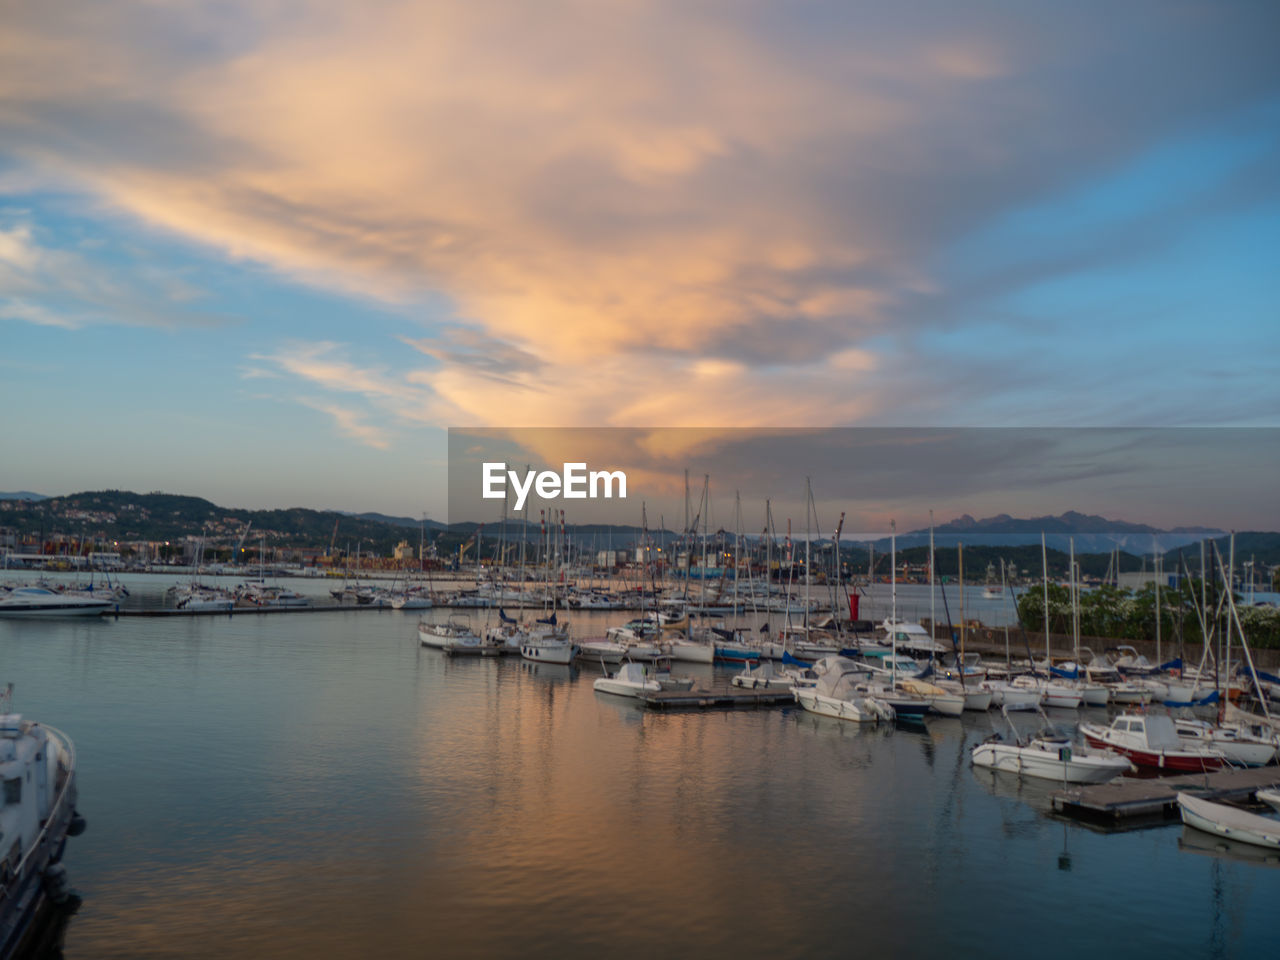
(319, 785)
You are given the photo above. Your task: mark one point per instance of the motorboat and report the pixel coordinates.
(1151, 740)
(29, 601)
(1049, 756)
(1271, 797)
(1230, 822)
(1239, 744)
(631, 680)
(38, 769)
(602, 651)
(843, 694)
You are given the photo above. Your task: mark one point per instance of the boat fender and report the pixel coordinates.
(77, 825)
(986, 634)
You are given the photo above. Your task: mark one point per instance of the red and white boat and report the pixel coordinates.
(1151, 740)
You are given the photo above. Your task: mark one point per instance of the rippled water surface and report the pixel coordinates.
(316, 785)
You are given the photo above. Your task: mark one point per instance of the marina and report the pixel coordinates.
(494, 783)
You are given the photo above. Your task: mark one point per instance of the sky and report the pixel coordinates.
(268, 252)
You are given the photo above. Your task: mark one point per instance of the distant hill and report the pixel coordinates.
(23, 495)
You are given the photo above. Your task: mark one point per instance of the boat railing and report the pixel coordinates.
(60, 812)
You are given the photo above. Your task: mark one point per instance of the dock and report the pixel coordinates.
(247, 608)
(1134, 801)
(721, 695)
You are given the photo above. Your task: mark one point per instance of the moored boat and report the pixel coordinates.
(1151, 740)
(1229, 822)
(38, 769)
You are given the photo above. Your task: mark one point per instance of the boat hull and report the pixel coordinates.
(1230, 823)
(1159, 760)
(1044, 765)
(562, 653)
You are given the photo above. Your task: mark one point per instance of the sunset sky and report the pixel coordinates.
(266, 252)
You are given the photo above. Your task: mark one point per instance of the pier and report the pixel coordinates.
(721, 695)
(248, 608)
(1132, 801)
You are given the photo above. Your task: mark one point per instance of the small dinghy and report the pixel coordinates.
(1229, 822)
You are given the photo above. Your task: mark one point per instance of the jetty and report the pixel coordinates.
(1134, 801)
(721, 695)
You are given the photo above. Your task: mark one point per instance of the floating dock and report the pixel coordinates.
(250, 608)
(721, 695)
(1133, 801)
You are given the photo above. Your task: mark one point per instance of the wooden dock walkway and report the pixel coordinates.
(720, 695)
(1156, 799)
(247, 608)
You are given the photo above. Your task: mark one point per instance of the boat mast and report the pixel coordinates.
(893, 592)
(1156, 563)
(808, 539)
(1075, 612)
(960, 573)
(1044, 560)
(933, 604)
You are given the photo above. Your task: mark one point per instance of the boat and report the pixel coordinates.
(631, 680)
(1048, 756)
(1009, 696)
(548, 642)
(1239, 744)
(1230, 822)
(31, 601)
(411, 600)
(203, 598)
(38, 769)
(940, 700)
(457, 627)
(1151, 740)
(692, 651)
(1051, 693)
(1271, 797)
(763, 677)
(841, 693)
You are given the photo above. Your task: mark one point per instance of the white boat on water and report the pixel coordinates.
(764, 676)
(940, 700)
(1271, 797)
(1229, 822)
(438, 634)
(1049, 756)
(631, 680)
(1012, 697)
(203, 598)
(1239, 744)
(693, 651)
(38, 769)
(837, 694)
(1052, 693)
(43, 602)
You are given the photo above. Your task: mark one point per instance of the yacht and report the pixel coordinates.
(38, 770)
(43, 602)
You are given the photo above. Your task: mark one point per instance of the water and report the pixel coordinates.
(319, 785)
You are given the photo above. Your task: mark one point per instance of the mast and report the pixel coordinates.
(893, 590)
(1044, 560)
(1157, 569)
(808, 539)
(1075, 613)
(933, 611)
(960, 562)
(1007, 658)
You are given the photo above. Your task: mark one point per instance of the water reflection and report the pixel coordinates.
(389, 800)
